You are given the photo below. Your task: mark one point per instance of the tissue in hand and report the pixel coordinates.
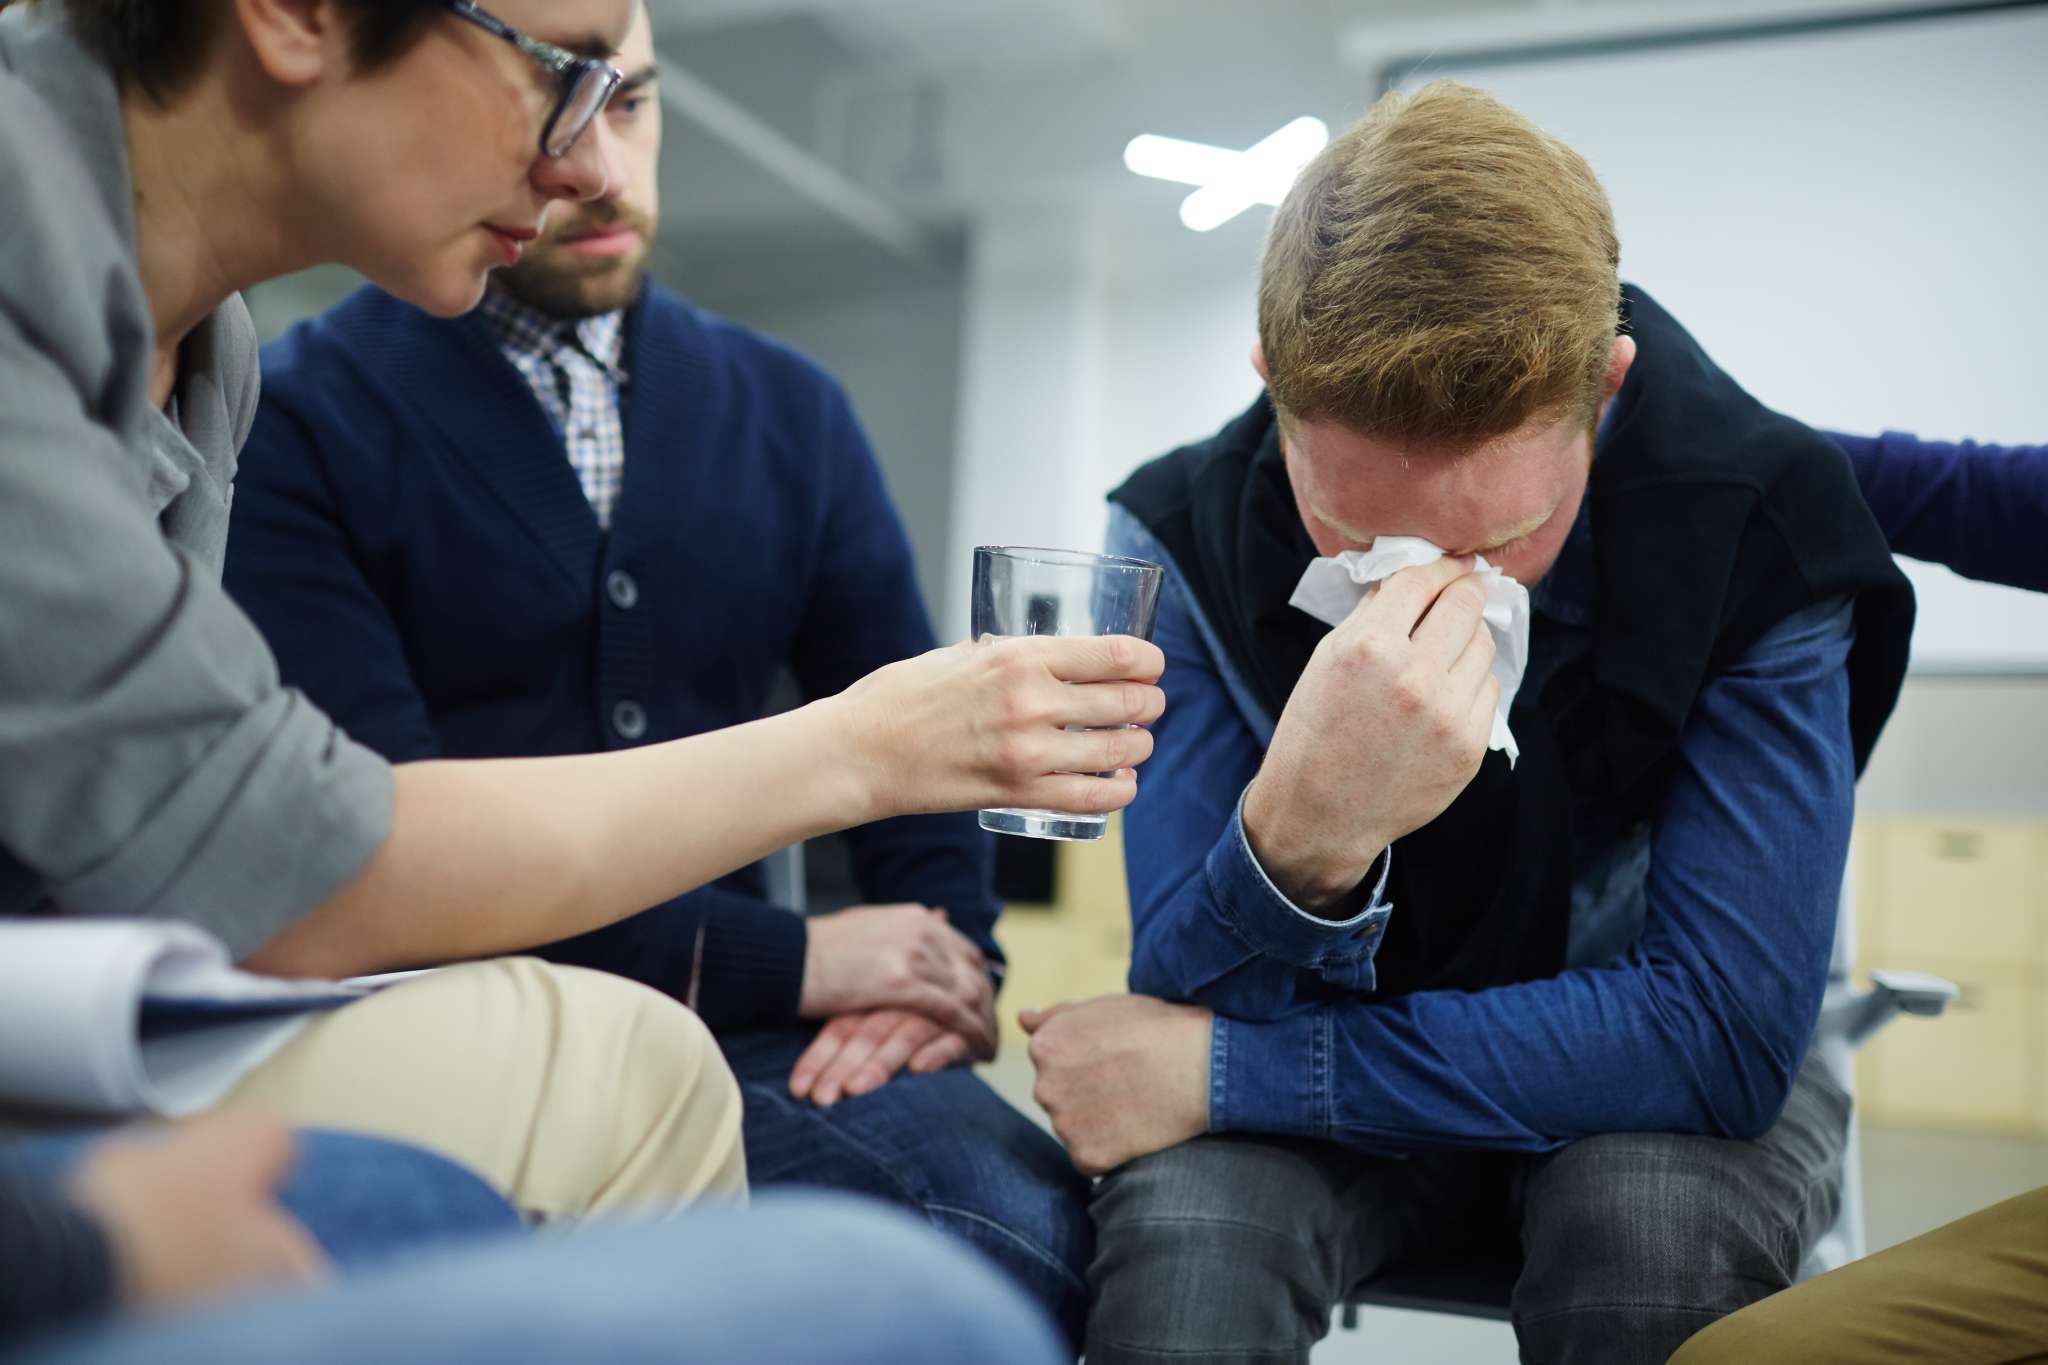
(1332, 587)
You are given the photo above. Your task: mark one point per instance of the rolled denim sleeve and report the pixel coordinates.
(1246, 897)
(1208, 925)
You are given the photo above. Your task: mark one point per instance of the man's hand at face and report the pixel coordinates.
(898, 958)
(856, 1053)
(1388, 724)
(1122, 1076)
(191, 1213)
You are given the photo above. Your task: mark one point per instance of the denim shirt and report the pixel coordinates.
(1698, 947)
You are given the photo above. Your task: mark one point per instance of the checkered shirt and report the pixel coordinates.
(573, 369)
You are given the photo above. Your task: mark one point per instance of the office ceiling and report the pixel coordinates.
(828, 126)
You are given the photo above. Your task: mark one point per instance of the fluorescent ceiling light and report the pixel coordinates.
(1229, 182)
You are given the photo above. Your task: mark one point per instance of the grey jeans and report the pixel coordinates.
(1238, 1248)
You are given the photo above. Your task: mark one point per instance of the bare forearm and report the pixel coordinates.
(496, 856)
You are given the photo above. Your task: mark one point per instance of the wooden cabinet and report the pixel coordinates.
(1968, 900)
(1976, 1069)
(1963, 891)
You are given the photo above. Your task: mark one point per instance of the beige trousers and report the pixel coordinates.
(571, 1091)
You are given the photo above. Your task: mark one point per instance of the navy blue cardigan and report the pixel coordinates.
(409, 534)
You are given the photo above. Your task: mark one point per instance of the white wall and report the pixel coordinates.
(1095, 342)
(1027, 366)
(277, 304)
(1176, 352)
(1851, 222)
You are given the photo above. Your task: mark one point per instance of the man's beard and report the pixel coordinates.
(564, 285)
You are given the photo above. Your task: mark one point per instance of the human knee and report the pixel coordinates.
(992, 1167)
(1658, 1222)
(1629, 1253)
(673, 1047)
(662, 1045)
(1016, 1196)
(367, 1199)
(648, 1083)
(1209, 1247)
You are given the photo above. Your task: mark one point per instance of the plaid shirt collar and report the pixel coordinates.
(525, 330)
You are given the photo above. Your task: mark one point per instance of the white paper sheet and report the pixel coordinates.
(74, 995)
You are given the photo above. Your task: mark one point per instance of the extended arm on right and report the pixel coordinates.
(1973, 507)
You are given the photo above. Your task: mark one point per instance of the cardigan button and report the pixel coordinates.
(623, 589)
(629, 718)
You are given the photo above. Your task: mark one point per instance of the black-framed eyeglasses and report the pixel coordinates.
(586, 83)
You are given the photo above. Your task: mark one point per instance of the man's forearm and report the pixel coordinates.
(1642, 1047)
(1323, 876)
(1228, 938)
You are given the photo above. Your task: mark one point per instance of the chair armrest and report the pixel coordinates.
(1854, 1016)
(783, 878)
(1917, 992)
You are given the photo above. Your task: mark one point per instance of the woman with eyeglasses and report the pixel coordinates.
(159, 156)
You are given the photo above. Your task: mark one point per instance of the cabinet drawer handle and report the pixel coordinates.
(1958, 845)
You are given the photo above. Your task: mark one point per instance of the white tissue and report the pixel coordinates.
(1331, 588)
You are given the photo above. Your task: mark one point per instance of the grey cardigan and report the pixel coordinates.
(150, 762)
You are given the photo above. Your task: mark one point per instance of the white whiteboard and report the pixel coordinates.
(1854, 224)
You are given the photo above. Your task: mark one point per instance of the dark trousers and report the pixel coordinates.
(1238, 1248)
(943, 1145)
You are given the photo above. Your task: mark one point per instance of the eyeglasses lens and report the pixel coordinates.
(592, 87)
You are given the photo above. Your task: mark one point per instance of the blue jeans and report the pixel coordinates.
(364, 1199)
(944, 1145)
(797, 1280)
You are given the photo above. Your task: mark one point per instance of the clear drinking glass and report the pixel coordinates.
(1019, 590)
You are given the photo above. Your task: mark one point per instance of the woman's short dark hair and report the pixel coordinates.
(158, 45)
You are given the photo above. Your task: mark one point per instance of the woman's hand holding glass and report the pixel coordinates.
(1008, 722)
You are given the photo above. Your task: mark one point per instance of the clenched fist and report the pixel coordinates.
(1123, 1076)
